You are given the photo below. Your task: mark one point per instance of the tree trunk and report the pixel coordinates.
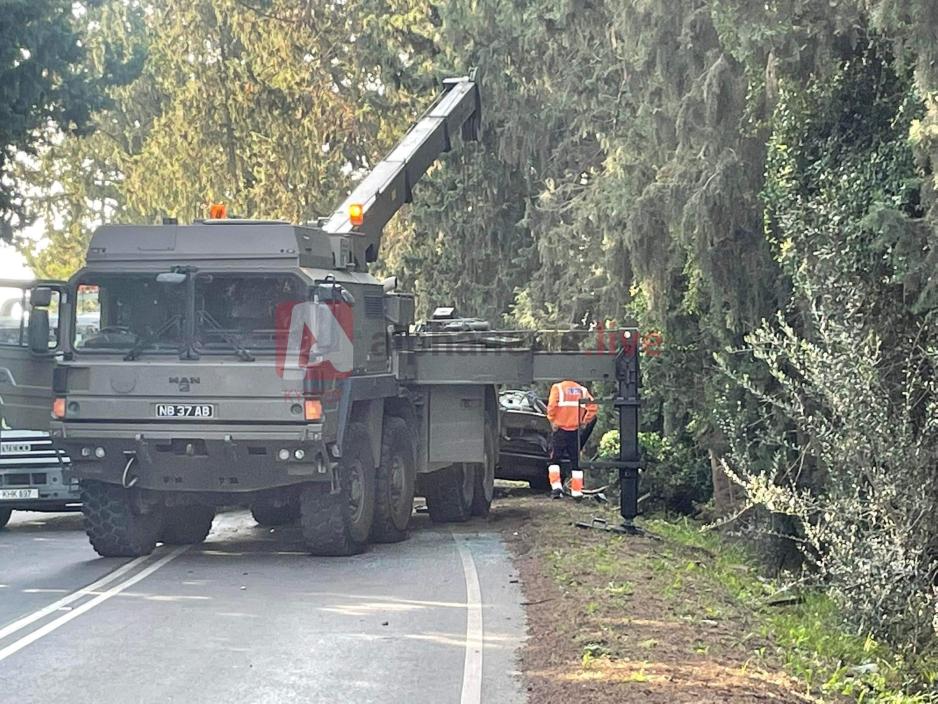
(726, 495)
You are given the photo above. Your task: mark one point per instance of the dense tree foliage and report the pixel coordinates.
(44, 87)
(755, 180)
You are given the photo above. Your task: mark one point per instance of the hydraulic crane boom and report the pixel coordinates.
(389, 184)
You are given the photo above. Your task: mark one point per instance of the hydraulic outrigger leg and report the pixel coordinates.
(627, 404)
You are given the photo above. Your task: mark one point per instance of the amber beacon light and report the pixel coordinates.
(356, 214)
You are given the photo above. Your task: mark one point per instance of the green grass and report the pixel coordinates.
(810, 636)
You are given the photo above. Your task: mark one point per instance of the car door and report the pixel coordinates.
(26, 376)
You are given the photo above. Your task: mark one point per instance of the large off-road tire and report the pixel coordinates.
(450, 492)
(485, 477)
(5, 514)
(340, 523)
(187, 525)
(395, 478)
(269, 514)
(114, 524)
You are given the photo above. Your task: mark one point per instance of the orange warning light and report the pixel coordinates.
(218, 211)
(356, 214)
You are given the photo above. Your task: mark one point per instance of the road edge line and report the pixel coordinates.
(21, 623)
(472, 666)
(45, 630)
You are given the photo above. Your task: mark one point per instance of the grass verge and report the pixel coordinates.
(686, 618)
(809, 634)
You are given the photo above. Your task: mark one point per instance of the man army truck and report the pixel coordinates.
(258, 363)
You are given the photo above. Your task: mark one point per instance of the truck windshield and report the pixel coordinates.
(136, 313)
(124, 311)
(240, 310)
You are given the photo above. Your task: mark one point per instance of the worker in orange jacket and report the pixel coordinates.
(568, 413)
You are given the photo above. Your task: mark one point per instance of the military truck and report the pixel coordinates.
(33, 474)
(236, 361)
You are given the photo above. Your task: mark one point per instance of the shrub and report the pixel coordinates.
(675, 476)
(855, 471)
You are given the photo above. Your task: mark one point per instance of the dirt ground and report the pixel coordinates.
(628, 619)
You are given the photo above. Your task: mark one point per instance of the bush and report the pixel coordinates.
(838, 432)
(862, 490)
(674, 475)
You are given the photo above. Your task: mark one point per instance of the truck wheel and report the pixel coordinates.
(485, 477)
(269, 514)
(5, 514)
(187, 525)
(395, 478)
(115, 527)
(450, 493)
(339, 523)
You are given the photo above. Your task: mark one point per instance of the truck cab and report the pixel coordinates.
(34, 475)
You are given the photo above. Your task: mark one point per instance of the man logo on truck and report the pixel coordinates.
(184, 382)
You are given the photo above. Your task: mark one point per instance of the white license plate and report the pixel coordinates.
(14, 494)
(185, 410)
(14, 448)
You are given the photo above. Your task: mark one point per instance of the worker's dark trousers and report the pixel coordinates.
(564, 450)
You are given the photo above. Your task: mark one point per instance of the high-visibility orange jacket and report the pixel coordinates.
(564, 409)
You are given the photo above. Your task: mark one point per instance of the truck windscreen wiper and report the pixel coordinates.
(134, 352)
(243, 353)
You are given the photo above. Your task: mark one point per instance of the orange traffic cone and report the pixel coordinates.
(556, 488)
(576, 484)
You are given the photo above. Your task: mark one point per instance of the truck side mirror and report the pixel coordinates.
(332, 292)
(40, 297)
(38, 331)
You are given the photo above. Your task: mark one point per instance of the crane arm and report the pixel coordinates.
(390, 183)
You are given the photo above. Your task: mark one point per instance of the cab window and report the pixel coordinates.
(241, 307)
(14, 317)
(124, 311)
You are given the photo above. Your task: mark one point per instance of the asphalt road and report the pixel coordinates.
(249, 617)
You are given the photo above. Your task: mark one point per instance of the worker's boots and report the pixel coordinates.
(576, 484)
(556, 487)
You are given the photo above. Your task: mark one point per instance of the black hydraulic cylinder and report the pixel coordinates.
(627, 404)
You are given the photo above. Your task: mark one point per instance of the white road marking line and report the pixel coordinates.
(472, 667)
(18, 645)
(74, 596)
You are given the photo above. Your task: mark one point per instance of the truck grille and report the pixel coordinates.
(22, 479)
